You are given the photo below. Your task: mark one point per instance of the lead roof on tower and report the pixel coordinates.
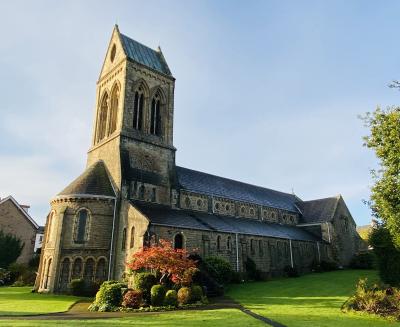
(200, 182)
(93, 181)
(145, 55)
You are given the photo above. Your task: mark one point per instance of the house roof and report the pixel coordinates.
(145, 55)
(165, 216)
(26, 214)
(93, 181)
(200, 182)
(317, 211)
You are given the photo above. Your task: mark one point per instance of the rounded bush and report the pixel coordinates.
(171, 298)
(197, 293)
(144, 281)
(184, 295)
(157, 295)
(133, 299)
(219, 269)
(77, 287)
(110, 293)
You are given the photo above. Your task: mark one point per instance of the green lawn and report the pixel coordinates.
(312, 300)
(211, 318)
(20, 301)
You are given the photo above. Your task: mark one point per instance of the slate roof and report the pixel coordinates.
(163, 215)
(317, 211)
(200, 182)
(144, 55)
(93, 181)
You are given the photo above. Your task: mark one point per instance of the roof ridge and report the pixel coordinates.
(236, 181)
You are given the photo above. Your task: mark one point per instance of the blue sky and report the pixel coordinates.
(267, 92)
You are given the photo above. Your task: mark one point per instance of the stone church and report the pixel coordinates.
(132, 193)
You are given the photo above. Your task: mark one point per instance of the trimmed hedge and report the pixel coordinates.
(157, 295)
(133, 299)
(197, 293)
(144, 281)
(219, 269)
(109, 294)
(171, 298)
(184, 295)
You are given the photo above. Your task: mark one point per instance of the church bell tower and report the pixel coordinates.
(133, 123)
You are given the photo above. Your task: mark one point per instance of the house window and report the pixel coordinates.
(219, 242)
(155, 119)
(252, 246)
(242, 210)
(123, 245)
(229, 243)
(81, 225)
(260, 248)
(138, 109)
(187, 202)
(199, 203)
(227, 207)
(251, 211)
(178, 241)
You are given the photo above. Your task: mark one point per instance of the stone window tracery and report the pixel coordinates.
(155, 119)
(112, 125)
(138, 106)
(81, 224)
(102, 123)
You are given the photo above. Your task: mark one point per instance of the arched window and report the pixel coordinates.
(101, 270)
(252, 246)
(48, 274)
(155, 119)
(102, 123)
(112, 124)
(260, 248)
(123, 245)
(142, 190)
(219, 242)
(81, 226)
(132, 237)
(49, 228)
(228, 243)
(77, 268)
(178, 241)
(64, 274)
(138, 109)
(89, 270)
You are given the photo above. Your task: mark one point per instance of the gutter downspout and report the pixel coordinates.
(319, 253)
(237, 252)
(291, 253)
(112, 241)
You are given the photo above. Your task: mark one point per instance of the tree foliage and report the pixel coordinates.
(384, 139)
(169, 262)
(11, 248)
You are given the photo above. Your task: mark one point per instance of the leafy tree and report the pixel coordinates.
(11, 248)
(169, 262)
(384, 139)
